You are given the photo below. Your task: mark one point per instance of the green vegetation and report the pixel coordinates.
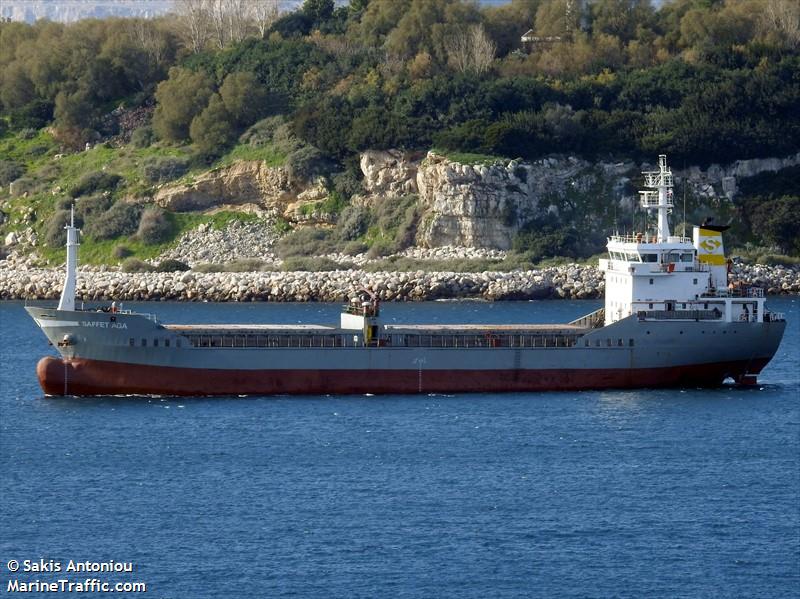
(314, 264)
(238, 265)
(704, 82)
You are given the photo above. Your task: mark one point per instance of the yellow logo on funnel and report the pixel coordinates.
(710, 249)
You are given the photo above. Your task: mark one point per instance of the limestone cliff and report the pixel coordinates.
(248, 182)
(468, 205)
(484, 205)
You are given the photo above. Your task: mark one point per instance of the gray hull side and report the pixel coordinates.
(627, 344)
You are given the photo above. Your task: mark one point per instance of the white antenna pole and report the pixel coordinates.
(659, 196)
(67, 301)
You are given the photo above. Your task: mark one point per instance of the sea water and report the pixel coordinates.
(646, 493)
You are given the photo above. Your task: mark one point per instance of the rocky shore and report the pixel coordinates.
(569, 281)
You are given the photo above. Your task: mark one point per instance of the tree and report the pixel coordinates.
(778, 221)
(195, 20)
(16, 88)
(470, 49)
(265, 13)
(783, 18)
(245, 98)
(213, 130)
(318, 11)
(179, 100)
(75, 117)
(620, 18)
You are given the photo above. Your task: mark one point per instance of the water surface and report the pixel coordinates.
(648, 493)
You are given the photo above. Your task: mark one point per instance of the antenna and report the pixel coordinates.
(684, 197)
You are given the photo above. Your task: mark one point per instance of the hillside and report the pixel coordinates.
(152, 131)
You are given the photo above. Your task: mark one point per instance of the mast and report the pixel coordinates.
(659, 195)
(67, 301)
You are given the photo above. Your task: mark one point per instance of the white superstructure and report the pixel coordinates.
(654, 274)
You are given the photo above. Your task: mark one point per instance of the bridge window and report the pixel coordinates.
(649, 257)
(144, 342)
(166, 342)
(651, 281)
(155, 342)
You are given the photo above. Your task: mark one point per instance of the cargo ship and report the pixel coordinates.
(670, 318)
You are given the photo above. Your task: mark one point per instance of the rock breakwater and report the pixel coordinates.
(570, 281)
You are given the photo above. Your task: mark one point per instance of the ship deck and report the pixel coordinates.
(428, 329)
(494, 328)
(280, 328)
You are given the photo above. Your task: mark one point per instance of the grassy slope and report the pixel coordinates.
(48, 181)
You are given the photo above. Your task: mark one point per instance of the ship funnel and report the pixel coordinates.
(67, 301)
(710, 251)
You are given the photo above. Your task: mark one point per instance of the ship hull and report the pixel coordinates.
(97, 377)
(120, 354)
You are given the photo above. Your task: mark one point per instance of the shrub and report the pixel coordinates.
(34, 115)
(30, 185)
(10, 171)
(396, 220)
(90, 206)
(381, 247)
(777, 260)
(353, 248)
(38, 150)
(347, 183)
(172, 266)
(121, 219)
(136, 265)
(307, 163)
(304, 242)
(314, 264)
(55, 236)
(240, 265)
(155, 226)
(263, 132)
(121, 251)
(166, 168)
(95, 181)
(403, 264)
(143, 137)
(27, 133)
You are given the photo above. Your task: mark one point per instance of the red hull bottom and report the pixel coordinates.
(95, 377)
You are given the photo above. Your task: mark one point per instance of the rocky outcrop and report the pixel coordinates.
(484, 205)
(721, 180)
(389, 173)
(240, 183)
